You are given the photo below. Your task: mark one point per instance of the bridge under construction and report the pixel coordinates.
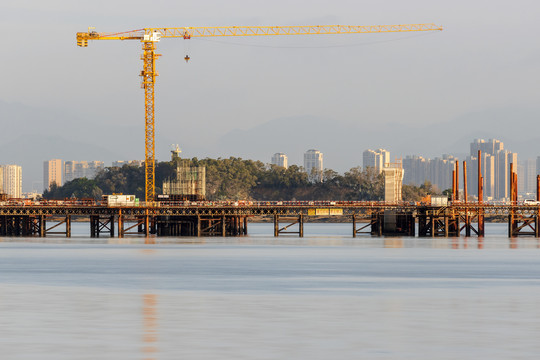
(231, 218)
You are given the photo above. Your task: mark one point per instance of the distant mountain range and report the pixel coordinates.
(31, 135)
(343, 143)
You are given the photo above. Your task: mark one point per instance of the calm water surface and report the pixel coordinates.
(326, 296)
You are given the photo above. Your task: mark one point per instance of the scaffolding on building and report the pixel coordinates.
(189, 182)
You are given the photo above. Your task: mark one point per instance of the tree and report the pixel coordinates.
(416, 193)
(78, 188)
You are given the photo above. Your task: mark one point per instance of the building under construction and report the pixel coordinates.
(189, 182)
(393, 180)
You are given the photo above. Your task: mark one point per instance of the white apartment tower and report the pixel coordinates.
(79, 169)
(376, 159)
(280, 159)
(313, 164)
(495, 168)
(12, 180)
(527, 177)
(53, 171)
(120, 163)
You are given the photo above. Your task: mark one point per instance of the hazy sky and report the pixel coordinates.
(487, 58)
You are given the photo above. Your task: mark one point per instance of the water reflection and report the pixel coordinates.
(150, 327)
(395, 243)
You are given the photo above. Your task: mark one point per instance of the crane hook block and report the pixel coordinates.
(187, 58)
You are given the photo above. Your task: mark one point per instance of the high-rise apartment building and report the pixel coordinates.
(495, 169)
(12, 180)
(416, 170)
(376, 159)
(120, 163)
(488, 173)
(492, 146)
(313, 164)
(280, 159)
(438, 171)
(527, 177)
(79, 169)
(53, 171)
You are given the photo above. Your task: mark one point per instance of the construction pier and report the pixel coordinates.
(231, 218)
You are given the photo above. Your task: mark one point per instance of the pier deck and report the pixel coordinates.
(231, 218)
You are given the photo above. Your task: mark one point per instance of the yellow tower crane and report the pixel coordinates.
(150, 36)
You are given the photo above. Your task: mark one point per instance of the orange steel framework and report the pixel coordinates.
(228, 219)
(150, 36)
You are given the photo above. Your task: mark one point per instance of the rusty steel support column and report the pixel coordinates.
(92, 226)
(510, 223)
(146, 224)
(68, 225)
(511, 182)
(536, 225)
(3, 225)
(276, 225)
(42, 226)
(481, 226)
(354, 225)
(457, 180)
(301, 225)
(198, 231)
(538, 187)
(120, 224)
(245, 225)
(111, 226)
(453, 185)
(480, 178)
(515, 187)
(465, 196)
(223, 226)
(465, 181)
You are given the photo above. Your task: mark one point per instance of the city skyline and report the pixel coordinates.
(414, 174)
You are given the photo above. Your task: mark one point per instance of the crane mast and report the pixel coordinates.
(150, 36)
